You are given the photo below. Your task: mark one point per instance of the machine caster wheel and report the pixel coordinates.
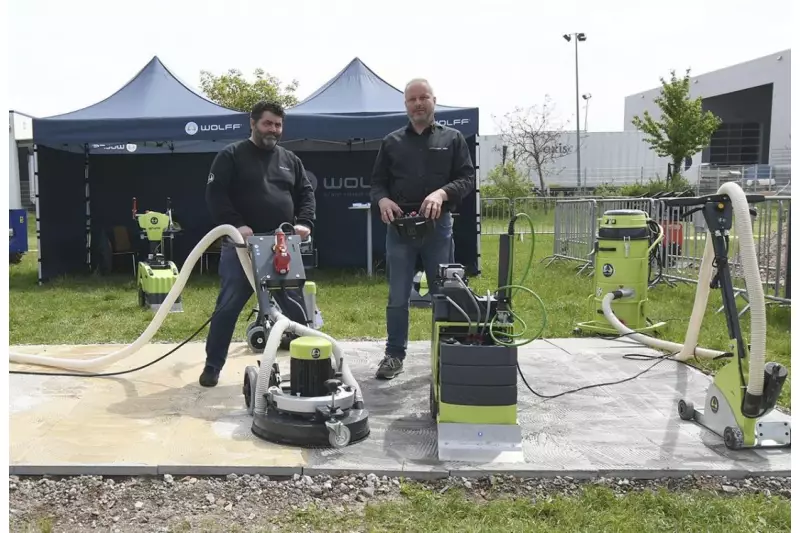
(685, 410)
(432, 405)
(734, 439)
(249, 388)
(257, 338)
(142, 299)
(338, 435)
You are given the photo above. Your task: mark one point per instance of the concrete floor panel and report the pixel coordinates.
(159, 420)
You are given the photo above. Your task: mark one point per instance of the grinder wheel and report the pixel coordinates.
(249, 388)
(256, 337)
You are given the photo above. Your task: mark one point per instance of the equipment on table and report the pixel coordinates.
(473, 393)
(320, 403)
(740, 402)
(626, 241)
(156, 276)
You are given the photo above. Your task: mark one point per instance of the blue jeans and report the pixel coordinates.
(234, 293)
(401, 256)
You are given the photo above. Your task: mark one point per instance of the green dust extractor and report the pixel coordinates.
(625, 243)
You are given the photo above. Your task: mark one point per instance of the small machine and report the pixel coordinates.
(156, 276)
(626, 243)
(473, 392)
(737, 408)
(315, 406)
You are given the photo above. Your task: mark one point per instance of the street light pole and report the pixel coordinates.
(578, 37)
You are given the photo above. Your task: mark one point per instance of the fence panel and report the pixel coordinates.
(495, 214)
(574, 229)
(542, 212)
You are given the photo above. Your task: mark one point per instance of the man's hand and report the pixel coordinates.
(432, 205)
(303, 231)
(245, 232)
(388, 210)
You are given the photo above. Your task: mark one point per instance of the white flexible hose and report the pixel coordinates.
(755, 291)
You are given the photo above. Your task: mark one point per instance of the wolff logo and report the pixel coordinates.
(349, 183)
(453, 122)
(192, 128)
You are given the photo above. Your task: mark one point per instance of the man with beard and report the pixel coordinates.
(255, 186)
(423, 167)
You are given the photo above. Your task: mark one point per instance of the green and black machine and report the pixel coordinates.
(473, 392)
(156, 276)
(626, 244)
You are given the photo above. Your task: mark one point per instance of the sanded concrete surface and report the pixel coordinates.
(159, 420)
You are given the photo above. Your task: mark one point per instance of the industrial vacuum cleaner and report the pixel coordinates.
(319, 404)
(626, 241)
(740, 401)
(156, 276)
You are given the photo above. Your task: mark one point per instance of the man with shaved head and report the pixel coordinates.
(423, 167)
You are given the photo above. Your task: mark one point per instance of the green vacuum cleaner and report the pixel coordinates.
(156, 276)
(624, 249)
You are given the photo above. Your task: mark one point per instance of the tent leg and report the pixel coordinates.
(38, 209)
(478, 219)
(88, 210)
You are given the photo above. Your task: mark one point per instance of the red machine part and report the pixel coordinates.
(281, 260)
(673, 233)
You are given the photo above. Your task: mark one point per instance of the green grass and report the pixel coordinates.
(596, 509)
(104, 309)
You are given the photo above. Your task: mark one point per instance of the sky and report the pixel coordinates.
(496, 55)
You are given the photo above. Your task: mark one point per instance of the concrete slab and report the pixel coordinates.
(159, 420)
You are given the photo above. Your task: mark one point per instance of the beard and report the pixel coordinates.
(267, 140)
(421, 116)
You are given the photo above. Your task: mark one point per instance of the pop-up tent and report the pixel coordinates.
(336, 132)
(154, 138)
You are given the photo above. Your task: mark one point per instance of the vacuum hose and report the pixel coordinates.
(755, 291)
(281, 323)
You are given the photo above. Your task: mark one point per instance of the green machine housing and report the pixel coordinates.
(623, 250)
(156, 276)
(473, 392)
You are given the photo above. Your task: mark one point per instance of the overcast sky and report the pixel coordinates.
(494, 54)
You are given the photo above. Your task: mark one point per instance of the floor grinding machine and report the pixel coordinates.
(740, 401)
(320, 403)
(157, 275)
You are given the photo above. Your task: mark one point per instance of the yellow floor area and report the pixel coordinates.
(156, 416)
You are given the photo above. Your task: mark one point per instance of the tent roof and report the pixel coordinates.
(155, 105)
(357, 103)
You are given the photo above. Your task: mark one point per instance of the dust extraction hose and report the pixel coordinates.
(281, 322)
(755, 291)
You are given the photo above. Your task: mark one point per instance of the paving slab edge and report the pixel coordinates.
(408, 473)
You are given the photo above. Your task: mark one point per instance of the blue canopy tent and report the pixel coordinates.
(154, 138)
(336, 131)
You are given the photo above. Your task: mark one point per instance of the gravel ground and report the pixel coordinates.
(236, 503)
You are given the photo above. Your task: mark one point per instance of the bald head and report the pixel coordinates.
(420, 102)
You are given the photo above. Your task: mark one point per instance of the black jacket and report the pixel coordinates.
(252, 186)
(410, 166)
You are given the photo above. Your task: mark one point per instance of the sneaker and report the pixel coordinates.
(209, 377)
(390, 367)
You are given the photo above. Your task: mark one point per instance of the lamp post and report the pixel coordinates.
(586, 113)
(579, 37)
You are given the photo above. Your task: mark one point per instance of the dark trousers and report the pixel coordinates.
(401, 257)
(234, 293)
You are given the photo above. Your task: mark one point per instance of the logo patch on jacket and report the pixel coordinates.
(210, 177)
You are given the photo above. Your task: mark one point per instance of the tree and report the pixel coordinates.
(683, 128)
(535, 139)
(234, 91)
(506, 181)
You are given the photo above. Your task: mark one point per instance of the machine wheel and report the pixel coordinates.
(142, 299)
(257, 338)
(249, 388)
(734, 439)
(685, 410)
(339, 438)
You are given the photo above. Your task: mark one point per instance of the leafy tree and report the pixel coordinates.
(683, 128)
(506, 181)
(234, 91)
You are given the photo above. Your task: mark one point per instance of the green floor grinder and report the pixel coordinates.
(626, 243)
(156, 275)
(320, 403)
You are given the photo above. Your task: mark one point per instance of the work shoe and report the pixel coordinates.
(390, 367)
(209, 377)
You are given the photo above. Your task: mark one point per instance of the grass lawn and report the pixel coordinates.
(596, 509)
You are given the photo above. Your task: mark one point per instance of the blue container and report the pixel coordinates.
(18, 223)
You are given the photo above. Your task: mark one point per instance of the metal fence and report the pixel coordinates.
(574, 229)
